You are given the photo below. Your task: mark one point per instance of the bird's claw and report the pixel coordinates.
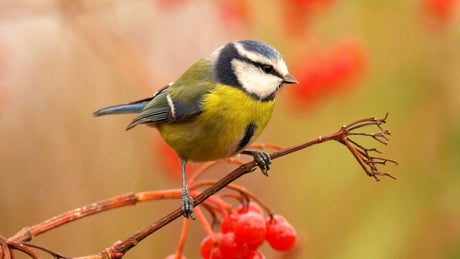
(187, 205)
(262, 160)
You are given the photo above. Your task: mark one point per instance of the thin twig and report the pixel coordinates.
(46, 250)
(237, 188)
(23, 248)
(183, 236)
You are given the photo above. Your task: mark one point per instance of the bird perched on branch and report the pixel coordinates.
(216, 108)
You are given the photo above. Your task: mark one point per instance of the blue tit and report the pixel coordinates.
(216, 108)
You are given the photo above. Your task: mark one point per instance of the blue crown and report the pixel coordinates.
(260, 47)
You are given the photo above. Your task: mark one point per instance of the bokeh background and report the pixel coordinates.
(62, 60)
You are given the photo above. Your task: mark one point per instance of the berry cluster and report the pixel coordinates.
(244, 230)
(234, 12)
(328, 71)
(298, 14)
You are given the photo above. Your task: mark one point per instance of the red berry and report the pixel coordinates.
(168, 162)
(206, 247)
(254, 254)
(229, 248)
(298, 14)
(216, 253)
(280, 234)
(228, 222)
(330, 71)
(251, 206)
(234, 11)
(250, 229)
(441, 10)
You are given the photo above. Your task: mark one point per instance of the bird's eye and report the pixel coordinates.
(267, 69)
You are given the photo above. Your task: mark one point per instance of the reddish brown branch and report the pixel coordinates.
(28, 233)
(368, 162)
(341, 136)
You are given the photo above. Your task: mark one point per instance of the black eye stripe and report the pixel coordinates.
(267, 69)
(261, 66)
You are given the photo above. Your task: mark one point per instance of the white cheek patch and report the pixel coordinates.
(254, 80)
(281, 67)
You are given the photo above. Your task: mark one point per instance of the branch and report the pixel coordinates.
(363, 155)
(367, 162)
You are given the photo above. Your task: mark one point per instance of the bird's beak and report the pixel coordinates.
(290, 79)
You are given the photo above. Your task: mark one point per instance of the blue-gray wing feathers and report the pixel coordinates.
(159, 108)
(134, 107)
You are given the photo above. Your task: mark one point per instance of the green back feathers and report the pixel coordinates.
(193, 84)
(181, 101)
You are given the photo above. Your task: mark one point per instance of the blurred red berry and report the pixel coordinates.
(167, 158)
(441, 11)
(306, 3)
(206, 247)
(297, 14)
(250, 229)
(170, 3)
(251, 206)
(328, 72)
(234, 11)
(280, 234)
(216, 253)
(169, 161)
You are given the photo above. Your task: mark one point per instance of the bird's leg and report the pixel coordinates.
(187, 200)
(262, 159)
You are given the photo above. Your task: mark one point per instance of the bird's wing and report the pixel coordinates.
(180, 101)
(132, 107)
(157, 110)
(176, 103)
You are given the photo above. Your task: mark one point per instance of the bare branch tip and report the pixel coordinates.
(385, 117)
(374, 150)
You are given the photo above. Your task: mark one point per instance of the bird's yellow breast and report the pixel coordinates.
(231, 119)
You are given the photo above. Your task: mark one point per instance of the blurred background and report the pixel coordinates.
(62, 60)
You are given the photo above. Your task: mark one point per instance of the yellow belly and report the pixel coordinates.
(219, 130)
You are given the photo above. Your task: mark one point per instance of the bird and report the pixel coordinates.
(216, 108)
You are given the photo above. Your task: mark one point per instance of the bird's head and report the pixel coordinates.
(254, 66)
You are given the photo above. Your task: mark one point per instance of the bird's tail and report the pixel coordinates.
(134, 107)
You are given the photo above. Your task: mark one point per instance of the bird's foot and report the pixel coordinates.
(187, 204)
(262, 159)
